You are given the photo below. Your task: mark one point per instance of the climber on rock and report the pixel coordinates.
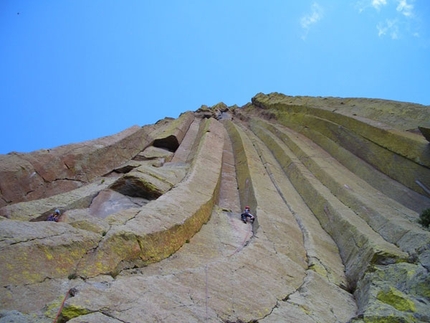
(247, 214)
(55, 216)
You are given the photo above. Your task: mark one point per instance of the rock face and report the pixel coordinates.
(150, 229)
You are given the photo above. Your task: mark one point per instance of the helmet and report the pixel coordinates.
(57, 211)
(247, 208)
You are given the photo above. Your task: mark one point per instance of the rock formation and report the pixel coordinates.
(150, 229)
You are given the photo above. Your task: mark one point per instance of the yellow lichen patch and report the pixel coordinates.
(319, 269)
(76, 253)
(396, 299)
(51, 309)
(305, 309)
(29, 276)
(48, 255)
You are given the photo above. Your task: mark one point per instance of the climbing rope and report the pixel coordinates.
(207, 292)
(242, 245)
(71, 292)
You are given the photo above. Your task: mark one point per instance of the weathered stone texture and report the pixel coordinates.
(150, 229)
(40, 209)
(34, 251)
(47, 172)
(163, 226)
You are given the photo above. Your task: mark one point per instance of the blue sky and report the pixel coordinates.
(77, 70)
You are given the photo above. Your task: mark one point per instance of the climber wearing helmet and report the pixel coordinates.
(55, 216)
(247, 214)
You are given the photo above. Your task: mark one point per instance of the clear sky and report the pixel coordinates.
(75, 70)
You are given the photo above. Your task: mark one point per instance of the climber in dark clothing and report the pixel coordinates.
(55, 216)
(247, 214)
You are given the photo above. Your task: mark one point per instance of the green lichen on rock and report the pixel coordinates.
(386, 319)
(397, 299)
(425, 218)
(70, 312)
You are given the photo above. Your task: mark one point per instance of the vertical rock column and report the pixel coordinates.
(162, 226)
